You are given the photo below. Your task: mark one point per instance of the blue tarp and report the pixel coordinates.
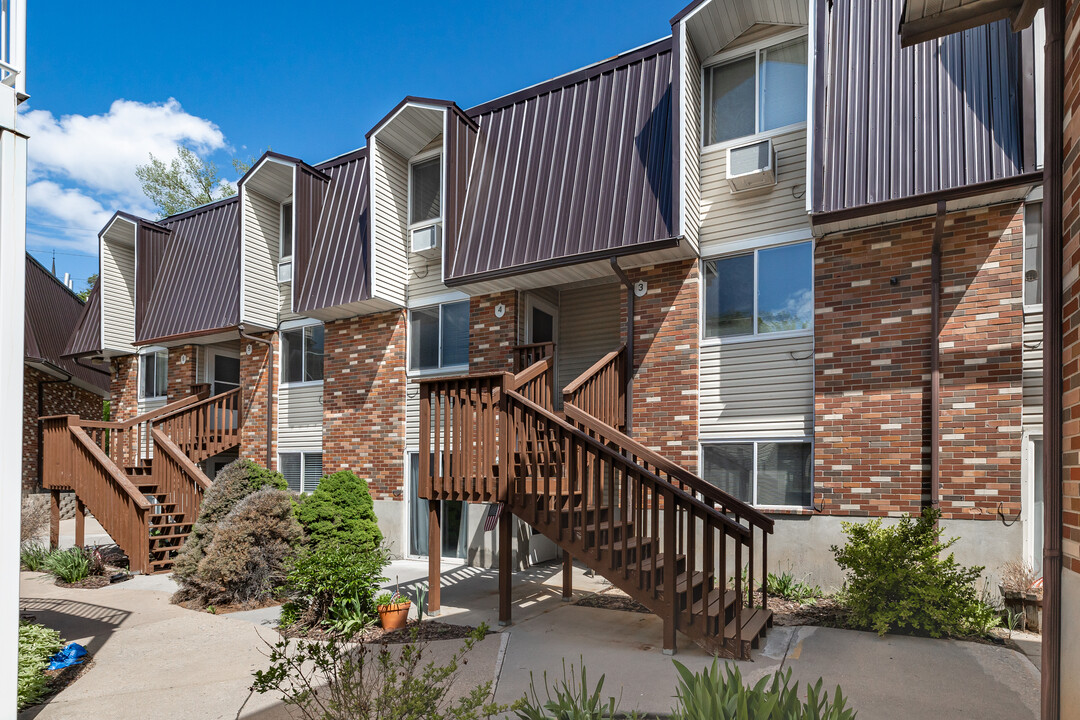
(70, 654)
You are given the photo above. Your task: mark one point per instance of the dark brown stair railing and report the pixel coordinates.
(204, 428)
(526, 356)
(601, 390)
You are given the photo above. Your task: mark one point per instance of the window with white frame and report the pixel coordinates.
(772, 473)
(302, 470)
(425, 190)
(302, 354)
(285, 244)
(762, 90)
(439, 337)
(153, 373)
(769, 290)
(1033, 253)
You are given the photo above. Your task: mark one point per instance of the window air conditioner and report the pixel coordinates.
(425, 240)
(751, 166)
(284, 272)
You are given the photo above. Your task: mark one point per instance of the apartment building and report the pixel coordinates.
(818, 252)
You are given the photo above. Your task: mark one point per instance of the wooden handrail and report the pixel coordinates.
(106, 462)
(707, 489)
(173, 450)
(584, 377)
(533, 371)
(603, 449)
(192, 406)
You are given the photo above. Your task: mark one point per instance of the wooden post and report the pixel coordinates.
(670, 604)
(54, 520)
(434, 596)
(506, 564)
(567, 577)
(80, 523)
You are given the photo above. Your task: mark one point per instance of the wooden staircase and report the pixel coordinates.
(140, 479)
(673, 542)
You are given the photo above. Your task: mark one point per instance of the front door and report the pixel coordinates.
(454, 515)
(225, 373)
(542, 321)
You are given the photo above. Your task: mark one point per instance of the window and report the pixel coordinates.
(286, 249)
(760, 292)
(439, 336)
(153, 374)
(425, 182)
(302, 470)
(1033, 253)
(302, 354)
(755, 93)
(762, 473)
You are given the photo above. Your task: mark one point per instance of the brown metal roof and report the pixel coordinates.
(337, 271)
(197, 288)
(150, 243)
(85, 338)
(570, 168)
(53, 313)
(894, 122)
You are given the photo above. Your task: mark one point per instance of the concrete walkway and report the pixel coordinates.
(149, 653)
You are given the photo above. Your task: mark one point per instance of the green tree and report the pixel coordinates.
(186, 182)
(90, 283)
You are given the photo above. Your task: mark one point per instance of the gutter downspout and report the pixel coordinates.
(629, 343)
(935, 357)
(1052, 266)
(269, 392)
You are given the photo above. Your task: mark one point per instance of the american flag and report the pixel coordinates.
(492, 520)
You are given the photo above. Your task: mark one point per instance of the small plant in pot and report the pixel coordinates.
(393, 610)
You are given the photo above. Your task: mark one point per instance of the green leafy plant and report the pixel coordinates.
(420, 601)
(786, 586)
(332, 582)
(383, 599)
(572, 699)
(70, 566)
(899, 579)
(715, 695)
(341, 512)
(36, 644)
(336, 680)
(33, 556)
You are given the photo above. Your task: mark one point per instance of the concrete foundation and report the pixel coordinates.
(1070, 650)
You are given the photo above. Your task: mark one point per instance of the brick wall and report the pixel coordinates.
(364, 400)
(254, 378)
(1071, 300)
(183, 362)
(492, 339)
(57, 399)
(872, 366)
(125, 387)
(665, 416)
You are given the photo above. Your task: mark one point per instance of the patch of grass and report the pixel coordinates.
(786, 586)
(36, 644)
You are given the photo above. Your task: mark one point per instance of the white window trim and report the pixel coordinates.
(754, 442)
(286, 259)
(441, 370)
(303, 464)
(742, 51)
(1032, 200)
(296, 325)
(755, 336)
(1027, 492)
(153, 350)
(423, 157)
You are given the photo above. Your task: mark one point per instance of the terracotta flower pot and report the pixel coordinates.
(394, 617)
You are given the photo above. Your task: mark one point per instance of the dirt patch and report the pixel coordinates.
(226, 609)
(824, 612)
(425, 631)
(90, 583)
(612, 599)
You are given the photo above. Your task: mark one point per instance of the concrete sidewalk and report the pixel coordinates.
(149, 653)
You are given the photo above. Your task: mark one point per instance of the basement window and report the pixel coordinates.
(762, 292)
(302, 470)
(302, 354)
(439, 337)
(768, 474)
(153, 374)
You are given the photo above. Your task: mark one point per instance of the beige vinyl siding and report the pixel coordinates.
(1033, 370)
(117, 296)
(588, 328)
(285, 302)
(262, 228)
(425, 278)
(692, 144)
(300, 417)
(757, 389)
(754, 213)
(412, 415)
(391, 187)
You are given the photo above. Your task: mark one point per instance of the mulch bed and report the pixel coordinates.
(60, 679)
(425, 631)
(226, 609)
(90, 583)
(612, 599)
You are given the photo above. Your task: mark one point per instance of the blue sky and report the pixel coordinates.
(110, 84)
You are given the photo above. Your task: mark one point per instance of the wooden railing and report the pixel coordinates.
(128, 442)
(204, 428)
(601, 390)
(528, 355)
(76, 462)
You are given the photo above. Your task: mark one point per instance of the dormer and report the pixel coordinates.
(130, 253)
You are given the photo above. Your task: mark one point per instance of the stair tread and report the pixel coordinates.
(714, 602)
(681, 581)
(754, 621)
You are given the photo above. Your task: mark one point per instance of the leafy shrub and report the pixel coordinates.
(33, 556)
(710, 695)
(245, 563)
(335, 680)
(233, 483)
(335, 584)
(786, 586)
(897, 579)
(573, 700)
(341, 511)
(71, 565)
(36, 644)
